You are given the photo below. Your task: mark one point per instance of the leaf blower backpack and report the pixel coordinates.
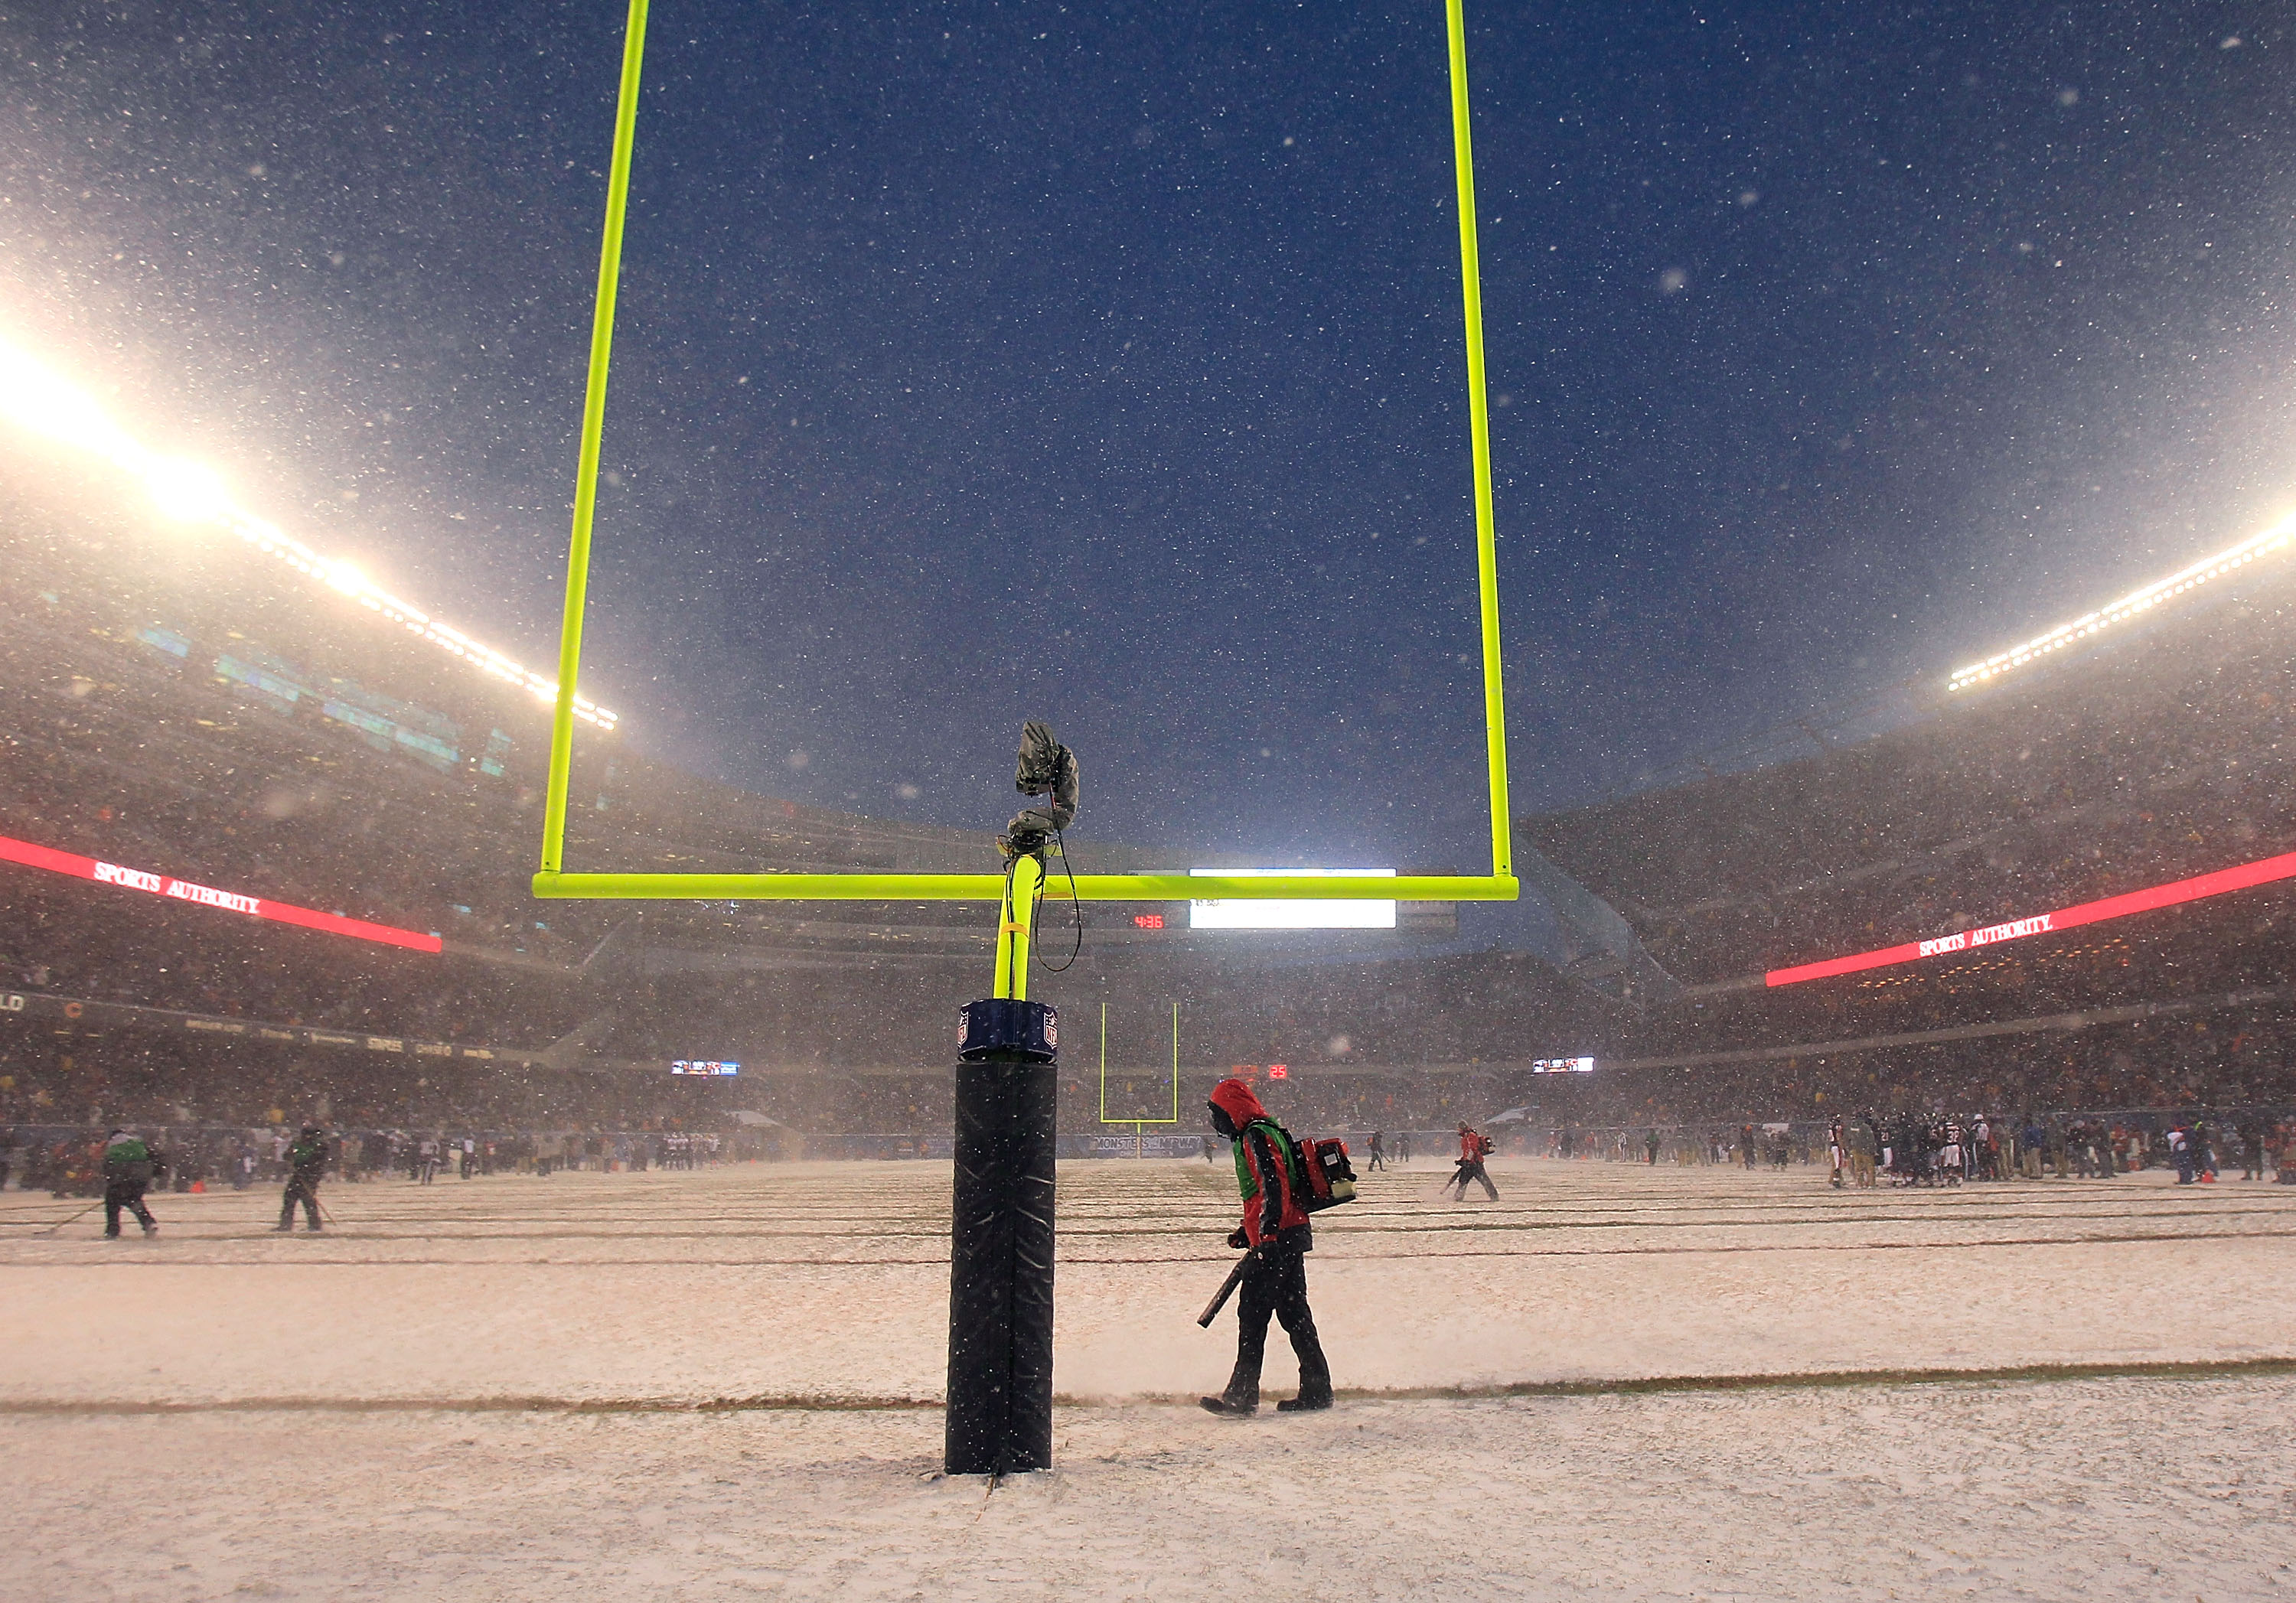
(1320, 1175)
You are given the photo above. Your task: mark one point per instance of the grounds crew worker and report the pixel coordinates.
(128, 1166)
(1473, 1148)
(306, 1160)
(1275, 1229)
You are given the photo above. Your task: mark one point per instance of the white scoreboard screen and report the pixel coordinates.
(1292, 915)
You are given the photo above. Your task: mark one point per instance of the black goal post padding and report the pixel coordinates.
(1000, 1279)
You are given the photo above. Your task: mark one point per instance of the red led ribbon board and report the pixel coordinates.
(2263, 871)
(207, 896)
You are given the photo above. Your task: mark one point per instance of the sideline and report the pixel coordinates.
(2227, 1368)
(156, 1260)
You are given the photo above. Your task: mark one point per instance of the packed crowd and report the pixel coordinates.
(121, 749)
(152, 743)
(58, 937)
(1862, 1151)
(2225, 1058)
(2152, 762)
(1866, 1149)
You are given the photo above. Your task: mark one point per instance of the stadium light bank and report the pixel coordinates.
(40, 403)
(2133, 604)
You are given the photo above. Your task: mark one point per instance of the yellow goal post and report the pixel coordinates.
(553, 881)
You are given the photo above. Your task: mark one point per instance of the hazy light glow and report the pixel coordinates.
(46, 406)
(2134, 604)
(1292, 915)
(186, 492)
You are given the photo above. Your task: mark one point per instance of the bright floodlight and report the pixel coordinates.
(41, 404)
(2133, 604)
(185, 491)
(1292, 915)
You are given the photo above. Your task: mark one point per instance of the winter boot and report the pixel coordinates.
(1306, 1403)
(1238, 1399)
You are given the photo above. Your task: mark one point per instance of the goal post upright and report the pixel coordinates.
(593, 427)
(1478, 416)
(1005, 1129)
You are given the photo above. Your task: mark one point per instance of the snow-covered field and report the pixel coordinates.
(722, 1383)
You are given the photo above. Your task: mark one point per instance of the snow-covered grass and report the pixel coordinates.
(489, 1388)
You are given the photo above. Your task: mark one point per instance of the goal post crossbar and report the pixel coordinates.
(990, 887)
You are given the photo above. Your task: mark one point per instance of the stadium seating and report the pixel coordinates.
(150, 722)
(2166, 754)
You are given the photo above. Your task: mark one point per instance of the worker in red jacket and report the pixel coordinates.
(1472, 1149)
(1275, 1229)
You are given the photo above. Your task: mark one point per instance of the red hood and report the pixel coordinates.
(1235, 1099)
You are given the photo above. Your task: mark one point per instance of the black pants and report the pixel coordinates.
(1275, 1283)
(126, 1194)
(307, 1192)
(1472, 1171)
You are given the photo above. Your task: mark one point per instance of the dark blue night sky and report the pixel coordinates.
(979, 361)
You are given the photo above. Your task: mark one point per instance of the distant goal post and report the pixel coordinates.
(1140, 1119)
